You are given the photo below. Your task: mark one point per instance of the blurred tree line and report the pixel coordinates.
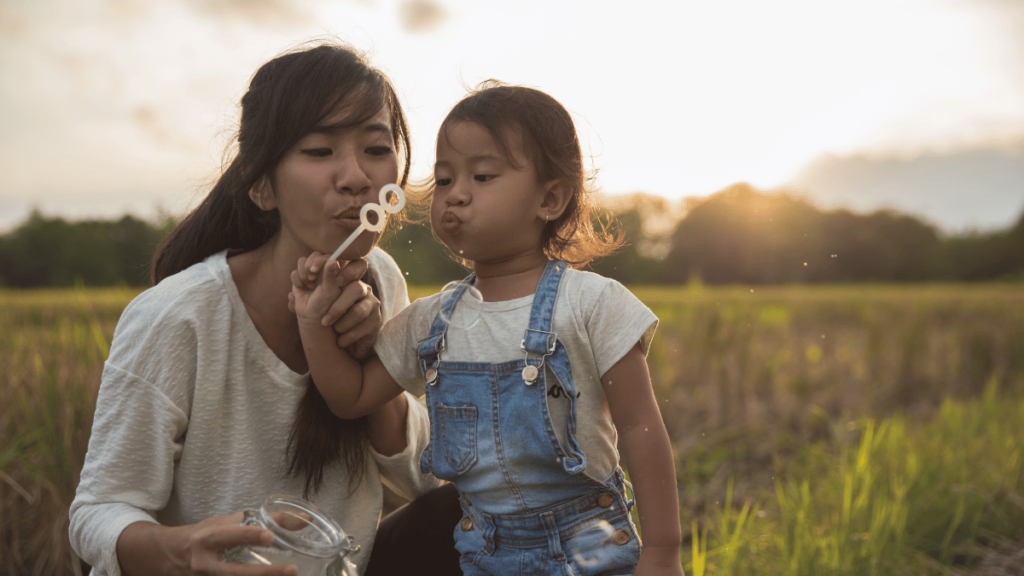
(45, 251)
(739, 235)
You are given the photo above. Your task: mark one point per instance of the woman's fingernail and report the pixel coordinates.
(324, 321)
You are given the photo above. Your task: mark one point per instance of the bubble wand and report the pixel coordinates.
(381, 210)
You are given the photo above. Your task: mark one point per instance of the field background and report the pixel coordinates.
(817, 430)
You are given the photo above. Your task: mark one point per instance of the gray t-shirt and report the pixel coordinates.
(597, 319)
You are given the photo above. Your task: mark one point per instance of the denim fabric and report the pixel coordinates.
(588, 536)
(530, 506)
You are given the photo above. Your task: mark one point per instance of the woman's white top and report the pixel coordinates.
(194, 413)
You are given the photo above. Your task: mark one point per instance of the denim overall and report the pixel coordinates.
(492, 436)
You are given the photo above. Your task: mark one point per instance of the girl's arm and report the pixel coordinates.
(351, 389)
(648, 457)
(387, 427)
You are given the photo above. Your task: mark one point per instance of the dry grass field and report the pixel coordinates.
(818, 430)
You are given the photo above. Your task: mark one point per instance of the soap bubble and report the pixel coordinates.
(470, 317)
(588, 545)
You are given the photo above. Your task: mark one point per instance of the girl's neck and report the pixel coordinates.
(509, 279)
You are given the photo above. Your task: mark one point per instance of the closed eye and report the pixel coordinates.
(317, 152)
(379, 150)
(442, 181)
(483, 177)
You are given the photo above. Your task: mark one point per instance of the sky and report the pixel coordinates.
(114, 106)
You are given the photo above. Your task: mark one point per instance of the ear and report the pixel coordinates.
(556, 198)
(262, 194)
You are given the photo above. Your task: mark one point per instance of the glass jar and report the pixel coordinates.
(304, 537)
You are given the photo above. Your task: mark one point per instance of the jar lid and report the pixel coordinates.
(301, 526)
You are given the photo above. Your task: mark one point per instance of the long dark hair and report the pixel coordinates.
(553, 148)
(287, 98)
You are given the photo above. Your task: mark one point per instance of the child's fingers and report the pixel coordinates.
(291, 302)
(300, 276)
(315, 262)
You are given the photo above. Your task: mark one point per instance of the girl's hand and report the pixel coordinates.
(147, 548)
(314, 301)
(354, 313)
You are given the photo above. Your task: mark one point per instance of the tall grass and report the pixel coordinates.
(750, 375)
(897, 500)
(818, 430)
(53, 347)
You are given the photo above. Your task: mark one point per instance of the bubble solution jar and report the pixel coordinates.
(304, 537)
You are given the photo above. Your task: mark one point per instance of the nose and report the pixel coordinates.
(350, 177)
(458, 195)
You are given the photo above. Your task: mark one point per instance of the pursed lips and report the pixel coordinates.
(349, 217)
(449, 221)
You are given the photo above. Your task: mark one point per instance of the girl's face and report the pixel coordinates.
(321, 183)
(483, 208)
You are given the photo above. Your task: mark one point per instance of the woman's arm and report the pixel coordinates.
(648, 456)
(137, 434)
(145, 548)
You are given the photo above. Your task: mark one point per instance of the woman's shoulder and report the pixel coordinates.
(162, 332)
(393, 291)
(182, 293)
(382, 263)
(176, 312)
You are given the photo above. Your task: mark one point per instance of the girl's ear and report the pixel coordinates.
(556, 198)
(262, 194)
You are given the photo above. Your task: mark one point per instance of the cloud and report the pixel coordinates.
(978, 188)
(421, 15)
(261, 12)
(12, 24)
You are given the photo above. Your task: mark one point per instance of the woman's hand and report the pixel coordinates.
(145, 548)
(358, 327)
(340, 300)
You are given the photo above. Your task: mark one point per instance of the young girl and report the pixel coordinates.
(533, 370)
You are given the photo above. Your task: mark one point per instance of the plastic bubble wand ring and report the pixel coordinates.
(381, 210)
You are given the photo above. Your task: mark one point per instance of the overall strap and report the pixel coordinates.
(538, 338)
(431, 346)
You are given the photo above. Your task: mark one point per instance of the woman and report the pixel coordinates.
(206, 406)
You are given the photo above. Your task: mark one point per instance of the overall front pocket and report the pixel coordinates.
(457, 427)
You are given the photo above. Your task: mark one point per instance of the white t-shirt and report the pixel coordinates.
(193, 418)
(597, 319)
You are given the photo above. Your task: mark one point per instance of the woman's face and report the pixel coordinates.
(321, 183)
